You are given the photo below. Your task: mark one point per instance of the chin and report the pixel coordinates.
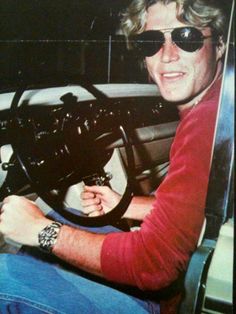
(176, 94)
(174, 98)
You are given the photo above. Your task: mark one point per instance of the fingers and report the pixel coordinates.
(90, 201)
(6, 201)
(96, 189)
(89, 209)
(91, 204)
(13, 198)
(87, 195)
(96, 213)
(2, 208)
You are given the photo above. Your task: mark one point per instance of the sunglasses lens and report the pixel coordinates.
(188, 39)
(149, 43)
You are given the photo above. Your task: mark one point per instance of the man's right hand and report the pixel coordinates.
(98, 200)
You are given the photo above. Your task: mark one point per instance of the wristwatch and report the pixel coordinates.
(47, 238)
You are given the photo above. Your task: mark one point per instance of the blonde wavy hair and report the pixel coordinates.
(199, 13)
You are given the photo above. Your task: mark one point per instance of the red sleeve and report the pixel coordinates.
(154, 256)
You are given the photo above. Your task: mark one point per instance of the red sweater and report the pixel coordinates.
(154, 257)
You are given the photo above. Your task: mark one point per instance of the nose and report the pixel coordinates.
(169, 51)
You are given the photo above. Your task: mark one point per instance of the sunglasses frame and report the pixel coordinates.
(150, 42)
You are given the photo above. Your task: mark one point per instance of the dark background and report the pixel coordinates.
(47, 38)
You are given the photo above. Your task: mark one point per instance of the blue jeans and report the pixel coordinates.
(34, 283)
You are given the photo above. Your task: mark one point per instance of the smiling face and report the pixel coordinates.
(181, 76)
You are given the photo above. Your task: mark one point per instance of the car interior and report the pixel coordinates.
(69, 83)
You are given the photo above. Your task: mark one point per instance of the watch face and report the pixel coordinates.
(48, 236)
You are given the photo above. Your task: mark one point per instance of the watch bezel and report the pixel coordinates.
(48, 236)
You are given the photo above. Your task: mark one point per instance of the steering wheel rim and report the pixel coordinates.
(117, 212)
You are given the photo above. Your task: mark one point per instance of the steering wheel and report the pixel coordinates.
(51, 161)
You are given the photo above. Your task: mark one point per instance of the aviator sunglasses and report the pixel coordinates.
(189, 39)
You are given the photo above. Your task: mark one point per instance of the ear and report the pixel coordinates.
(220, 48)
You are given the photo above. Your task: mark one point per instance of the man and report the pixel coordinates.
(185, 61)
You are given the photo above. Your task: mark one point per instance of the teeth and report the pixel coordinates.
(173, 74)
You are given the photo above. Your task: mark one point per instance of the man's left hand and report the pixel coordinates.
(21, 220)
